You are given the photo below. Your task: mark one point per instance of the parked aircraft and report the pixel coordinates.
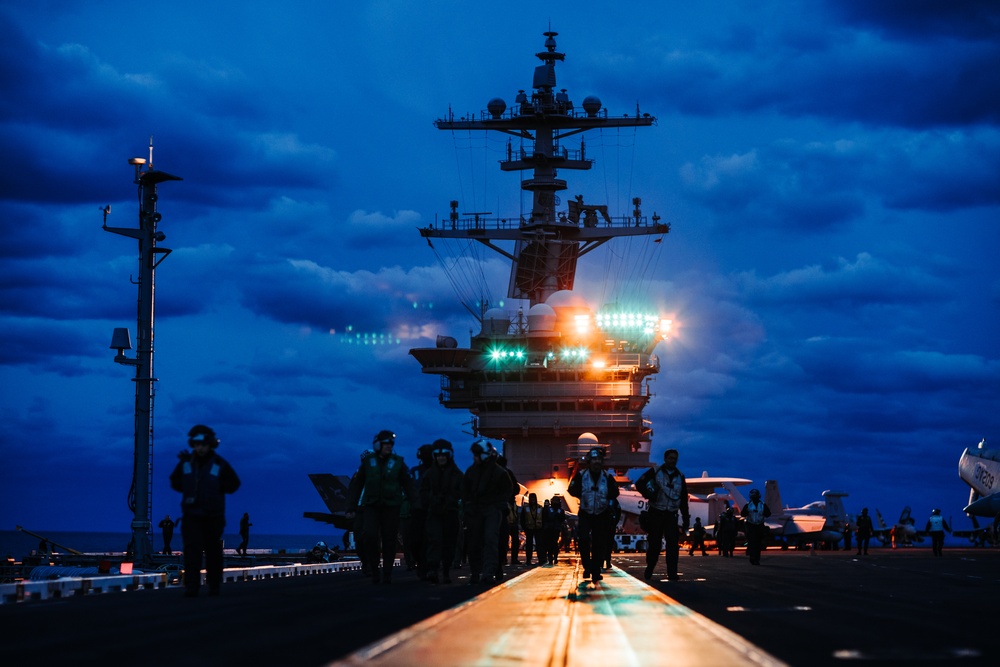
(703, 500)
(819, 521)
(905, 529)
(980, 469)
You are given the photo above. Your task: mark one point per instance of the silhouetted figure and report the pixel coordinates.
(666, 489)
(865, 529)
(725, 532)
(553, 520)
(382, 483)
(595, 488)
(441, 495)
(244, 534)
(486, 493)
(167, 526)
(754, 513)
(697, 538)
(203, 478)
(936, 525)
(532, 518)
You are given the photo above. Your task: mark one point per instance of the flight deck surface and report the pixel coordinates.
(830, 608)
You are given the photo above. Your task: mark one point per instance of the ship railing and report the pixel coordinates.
(558, 420)
(556, 390)
(516, 222)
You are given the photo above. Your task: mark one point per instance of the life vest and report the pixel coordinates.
(936, 523)
(382, 481)
(593, 495)
(755, 512)
(531, 518)
(669, 490)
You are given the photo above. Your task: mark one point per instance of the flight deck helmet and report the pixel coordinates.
(384, 436)
(442, 447)
(595, 454)
(424, 454)
(483, 447)
(754, 495)
(201, 433)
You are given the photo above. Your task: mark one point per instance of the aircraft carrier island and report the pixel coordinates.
(555, 369)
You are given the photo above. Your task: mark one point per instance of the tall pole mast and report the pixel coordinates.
(140, 496)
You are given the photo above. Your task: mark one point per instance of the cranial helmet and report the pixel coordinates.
(595, 454)
(754, 493)
(480, 447)
(424, 453)
(202, 433)
(442, 446)
(384, 436)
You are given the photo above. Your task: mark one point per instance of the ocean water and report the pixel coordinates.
(19, 544)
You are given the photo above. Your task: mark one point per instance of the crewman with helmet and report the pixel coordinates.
(358, 522)
(203, 478)
(936, 525)
(665, 487)
(382, 483)
(441, 496)
(414, 530)
(486, 492)
(595, 489)
(754, 513)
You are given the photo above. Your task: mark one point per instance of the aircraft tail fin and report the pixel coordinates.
(835, 505)
(772, 496)
(333, 489)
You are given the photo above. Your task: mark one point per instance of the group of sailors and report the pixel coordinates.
(435, 507)
(444, 516)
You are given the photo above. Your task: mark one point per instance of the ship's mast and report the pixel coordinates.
(558, 374)
(140, 496)
(546, 246)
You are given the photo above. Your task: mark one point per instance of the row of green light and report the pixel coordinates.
(567, 354)
(649, 324)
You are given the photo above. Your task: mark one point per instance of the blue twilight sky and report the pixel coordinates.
(831, 171)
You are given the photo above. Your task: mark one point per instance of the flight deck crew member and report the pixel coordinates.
(441, 496)
(936, 525)
(167, 526)
(203, 478)
(595, 488)
(725, 532)
(754, 512)
(864, 524)
(485, 496)
(414, 535)
(531, 522)
(665, 487)
(553, 520)
(244, 534)
(382, 483)
(698, 533)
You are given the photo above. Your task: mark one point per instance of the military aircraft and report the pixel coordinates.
(333, 489)
(980, 469)
(905, 529)
(819, 521)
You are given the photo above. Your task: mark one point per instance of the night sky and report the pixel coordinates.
(831, 172)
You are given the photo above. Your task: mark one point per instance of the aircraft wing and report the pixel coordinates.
(802, 524)
(706, 484)
(337, 520)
